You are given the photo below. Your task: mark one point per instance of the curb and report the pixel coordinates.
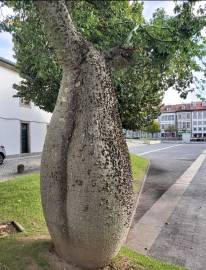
(137, 196)
(11, 177)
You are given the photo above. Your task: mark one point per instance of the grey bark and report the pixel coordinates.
(86, 183)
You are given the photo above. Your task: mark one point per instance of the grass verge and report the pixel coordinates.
(20, 201)
(139, 167)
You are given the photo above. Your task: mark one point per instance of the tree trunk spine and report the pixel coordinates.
(86, 182)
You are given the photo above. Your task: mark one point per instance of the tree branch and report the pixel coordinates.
(118, 55)
(71, 4)
(155, 38)
(68, 43)
(98, 4)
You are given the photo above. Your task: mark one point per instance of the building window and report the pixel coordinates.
(24, 103)
(199, 122)
(199, 114)
(204, 128)
(162, 127)
(195, 129)
(194, 115)
(188, 124)
(194, 123)
(184, 125)
(204, 114)
(188, 115)
(199, 129)
(170, 117)
(179, 116)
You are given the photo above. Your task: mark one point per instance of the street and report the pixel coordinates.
(9, 167)
(168, 162)
(170, 220)
(178, 234)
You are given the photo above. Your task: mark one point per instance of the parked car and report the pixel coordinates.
(2, 154)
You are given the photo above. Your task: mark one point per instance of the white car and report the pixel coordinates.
(2, 154)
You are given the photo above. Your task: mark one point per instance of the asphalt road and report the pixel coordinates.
(9, 167)
(168, 162)
(181, 239)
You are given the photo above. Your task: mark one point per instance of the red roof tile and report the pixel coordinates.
(194, 106)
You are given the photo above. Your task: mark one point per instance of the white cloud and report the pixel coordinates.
(5, 11)
(172, 97)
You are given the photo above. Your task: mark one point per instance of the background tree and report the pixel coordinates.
(171, 128)
(154, 127)
(164, 54)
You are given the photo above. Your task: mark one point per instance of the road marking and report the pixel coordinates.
(157, 150)
(135, 145)
(19, 158)
(144, 233)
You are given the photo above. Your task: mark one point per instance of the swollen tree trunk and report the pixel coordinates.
(86, 183)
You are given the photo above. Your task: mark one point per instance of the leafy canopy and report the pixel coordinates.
(154, 127)
(165, 53)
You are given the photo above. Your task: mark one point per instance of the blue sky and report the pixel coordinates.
(171, 96)
(6, 46)
(151, 6)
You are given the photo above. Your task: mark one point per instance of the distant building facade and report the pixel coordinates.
(23, 126)
(179, 119)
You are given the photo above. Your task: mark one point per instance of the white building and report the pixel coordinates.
(199, 124)
(167, 124)
(23, 126)
(185, 118)
(184, 121)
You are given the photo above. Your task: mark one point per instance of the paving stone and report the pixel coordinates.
(9, 167)
(183, 241)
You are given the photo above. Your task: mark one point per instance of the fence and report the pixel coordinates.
(130, 134)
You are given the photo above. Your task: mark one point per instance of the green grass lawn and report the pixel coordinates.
(139, 167)
(20, 201)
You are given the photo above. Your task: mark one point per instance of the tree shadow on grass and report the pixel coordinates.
(23, 253)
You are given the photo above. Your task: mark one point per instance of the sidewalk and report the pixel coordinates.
(31, 163)
(173, 229)
(23, 155)
(142, 142)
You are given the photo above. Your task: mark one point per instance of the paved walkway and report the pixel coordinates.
(9, 168)
(174, 228)
(167, 165)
